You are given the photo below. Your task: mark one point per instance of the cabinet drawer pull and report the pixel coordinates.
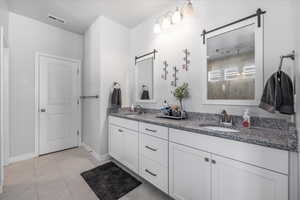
(147, 129)
(149, 172)
(213, 161)
(120, 130)
(206, 159)
(150, 148)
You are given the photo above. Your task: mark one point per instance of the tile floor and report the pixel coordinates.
(57, 177)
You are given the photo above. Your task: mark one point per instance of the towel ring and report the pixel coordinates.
(117, 85)
(144, 87)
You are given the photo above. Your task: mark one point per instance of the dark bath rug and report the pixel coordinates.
(110, 182)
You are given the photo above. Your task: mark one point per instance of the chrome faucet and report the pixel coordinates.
(139, 109)
(225, 119)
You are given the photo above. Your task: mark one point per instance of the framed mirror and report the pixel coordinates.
(145, 80)
(233, 73)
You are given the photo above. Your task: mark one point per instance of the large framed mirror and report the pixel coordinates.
(145, 80)
(233, 73)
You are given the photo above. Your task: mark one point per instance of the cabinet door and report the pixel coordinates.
(233, 180)
(189, 173)
(116, 135)
(131, 150)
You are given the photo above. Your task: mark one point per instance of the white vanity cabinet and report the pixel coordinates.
(116, 135)
(233, 180)
(196, 174)
(124, 143)
(190, 173)
(192, 166)
(154, 155)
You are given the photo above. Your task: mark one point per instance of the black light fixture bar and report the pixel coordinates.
(258, 14)
(147, 54)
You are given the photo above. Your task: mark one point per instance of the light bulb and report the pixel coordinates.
(166, 23)
(176, 17)
(157, 28)
(188, 9)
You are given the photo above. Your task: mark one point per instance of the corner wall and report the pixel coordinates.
(106, 61)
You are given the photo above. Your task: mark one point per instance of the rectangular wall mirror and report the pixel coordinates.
(234, 65)
(144, 80)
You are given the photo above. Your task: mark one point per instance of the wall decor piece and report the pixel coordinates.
(187, 63)
(175, 77)
(165, 70)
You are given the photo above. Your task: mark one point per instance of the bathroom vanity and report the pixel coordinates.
(189, 162)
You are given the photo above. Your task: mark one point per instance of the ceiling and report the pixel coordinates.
(79, 14)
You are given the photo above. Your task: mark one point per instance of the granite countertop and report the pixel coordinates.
(281, 137)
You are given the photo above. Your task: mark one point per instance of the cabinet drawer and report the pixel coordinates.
(155, 174)
(157, 131)
(129, 124)
(155, 149)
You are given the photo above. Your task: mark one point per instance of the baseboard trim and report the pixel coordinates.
(21, 158)
(99, 158)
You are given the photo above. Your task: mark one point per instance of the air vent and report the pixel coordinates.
(56, 19)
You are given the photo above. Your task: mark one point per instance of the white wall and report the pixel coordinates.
(296, 17)
(278, 40)
(91, 86)
(26, 37)
(4, 19)
(106, 61)
(115, 55)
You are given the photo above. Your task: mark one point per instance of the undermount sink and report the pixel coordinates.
(222, 129)
(132, 114)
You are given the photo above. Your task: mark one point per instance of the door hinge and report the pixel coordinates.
(78, 102)
(78, 71)
(78, 133)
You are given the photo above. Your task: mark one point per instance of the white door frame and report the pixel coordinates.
(37, 96)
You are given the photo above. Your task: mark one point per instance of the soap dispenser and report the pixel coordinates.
(246, 119)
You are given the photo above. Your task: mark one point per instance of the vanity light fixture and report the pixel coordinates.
(188, 9)
(166, 22)
(177, 16)
(157, 28)
(173, 17)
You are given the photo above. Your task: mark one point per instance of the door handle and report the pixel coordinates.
(43, 110)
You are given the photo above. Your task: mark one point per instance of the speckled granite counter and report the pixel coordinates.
(267, 132)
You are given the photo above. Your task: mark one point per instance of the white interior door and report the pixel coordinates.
(59, 105)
